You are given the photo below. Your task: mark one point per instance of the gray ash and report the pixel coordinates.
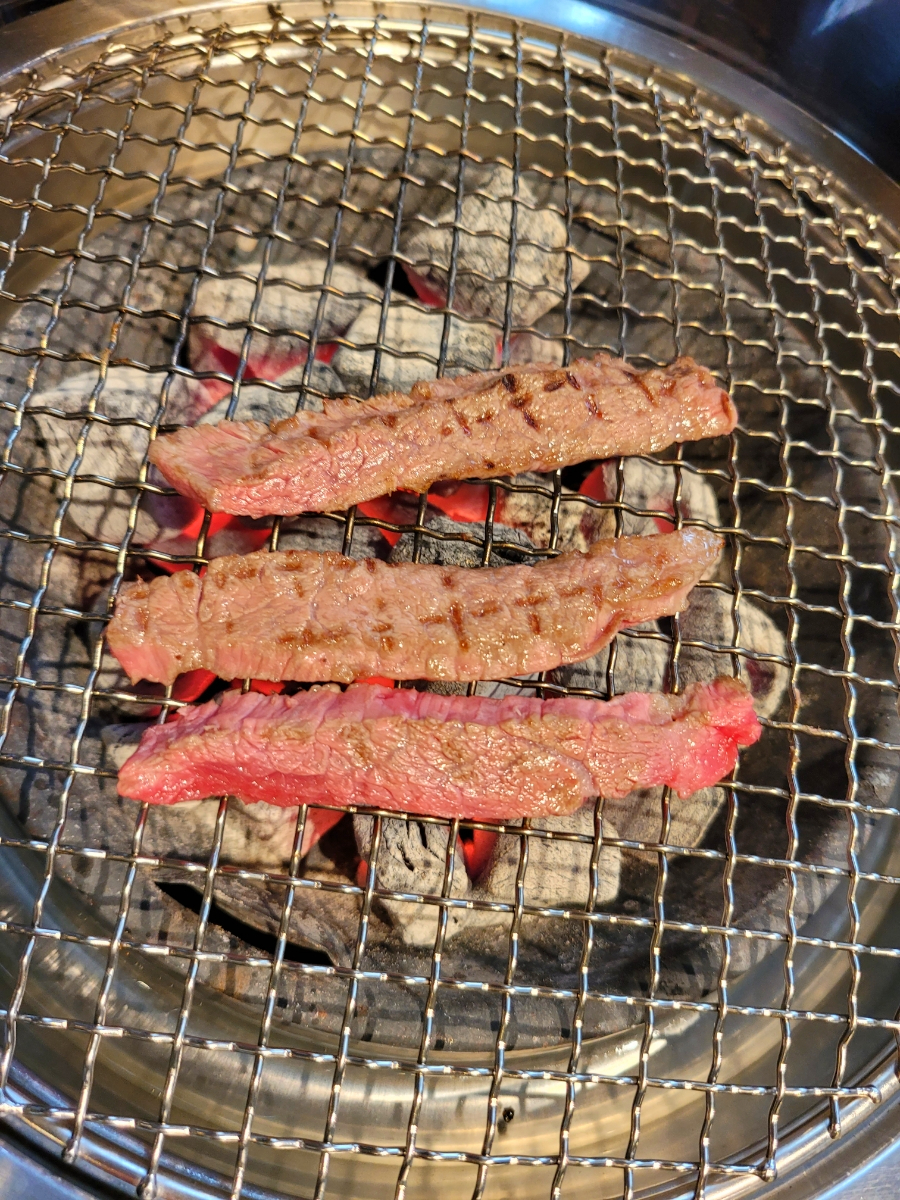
(485, 224)
(278, 398)
(287, 312)
(410, 348)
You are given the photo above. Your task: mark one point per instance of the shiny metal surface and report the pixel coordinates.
(164, 1084)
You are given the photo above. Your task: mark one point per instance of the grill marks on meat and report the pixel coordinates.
(308, 616)
(535, 417)
(445, 756)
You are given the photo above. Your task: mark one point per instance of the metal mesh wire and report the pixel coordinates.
(134, 170)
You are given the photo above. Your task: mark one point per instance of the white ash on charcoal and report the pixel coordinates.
(89, 312)
(287, 312)
(412, 858)
(710, 619)
(530, 511)
(532, 347)
(640, 664)
(310, 205)
(410, 348)
(258, 401)
(449, 550)
(114, 449)
(651, 489)
(558, 871)
(486, 216)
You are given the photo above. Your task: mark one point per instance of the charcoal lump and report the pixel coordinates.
(412, 346)
(289, 302)
(256, 402)
(111, 451)
(256, 835)
(558, 872)
(412, 857)
(448, 551)
(484, 240)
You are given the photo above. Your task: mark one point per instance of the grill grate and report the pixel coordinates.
(185, 1057)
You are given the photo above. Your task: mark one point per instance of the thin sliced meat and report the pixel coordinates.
(523, 418)
(446, 756)
(302, 615)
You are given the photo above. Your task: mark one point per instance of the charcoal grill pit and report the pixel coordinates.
(191, 1006)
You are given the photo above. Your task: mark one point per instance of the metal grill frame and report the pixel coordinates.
(848, 1103)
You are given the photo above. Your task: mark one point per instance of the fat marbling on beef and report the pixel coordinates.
(522, 418)
(445, 756)
(303, 615)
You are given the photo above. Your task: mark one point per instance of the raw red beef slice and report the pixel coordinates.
(467, 756)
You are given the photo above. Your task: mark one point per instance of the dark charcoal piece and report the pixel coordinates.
(321, 534)
(450, 551)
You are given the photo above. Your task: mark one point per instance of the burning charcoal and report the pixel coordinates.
(539, 270)
(412, 346)
(288, 307)
(256, 402)
(643, 654)
(579, 525)
(651, 486)
(450, 552)
(412, 857)
(709, 619)
(558, 874)
(111, 451)
(145, 336)
(320, 534)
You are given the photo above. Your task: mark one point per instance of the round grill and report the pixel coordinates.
(190, 1007)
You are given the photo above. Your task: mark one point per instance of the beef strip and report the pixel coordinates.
(468, 756)
(302, 615)
(535, 417)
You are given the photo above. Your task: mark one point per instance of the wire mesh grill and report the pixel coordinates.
(261, 1019)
